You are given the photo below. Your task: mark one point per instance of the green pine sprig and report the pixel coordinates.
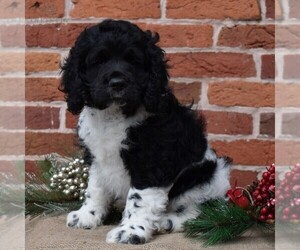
(219, 222)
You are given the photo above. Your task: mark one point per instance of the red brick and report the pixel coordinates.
(12, 89)
(243, 177)
(64, 35)
(12, 143)
(238, 93)
(42, 117)
(247, 152)
(287, 95)
(12, 117)
(290, 124)
(44, 8)
(278, 9)
(268, 66)
(287, 36)
(12, 61)
(116, 9)
(71, 120)
(209, 64)
(270, 6)
(228, 122)
(187, 93)
(214, 9)
(248, 36)
(287, 152)
(53, 35)
(32, 168)
(267, 124)
(190, 35)
(47, 143)
(291, 66)
(12, 36)
(41, 61)
(294, 9)
(12, 9)
(43, 89)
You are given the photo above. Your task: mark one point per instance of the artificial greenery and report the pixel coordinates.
(12, 188)
(41, 199)
(220, 221)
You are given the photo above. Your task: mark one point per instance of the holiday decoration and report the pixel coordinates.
(288, 197)
(71, 178)
(51, 194)
(240, 196)
(264, 195)
(63, 181)
(221, 221)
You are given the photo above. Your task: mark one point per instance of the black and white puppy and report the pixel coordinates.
(147, 152)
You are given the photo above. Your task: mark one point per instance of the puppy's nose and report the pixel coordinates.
(117, 84)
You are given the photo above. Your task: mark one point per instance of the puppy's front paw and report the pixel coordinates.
(129, 234)
(84, 218)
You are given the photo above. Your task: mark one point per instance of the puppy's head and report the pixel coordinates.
(115, 62)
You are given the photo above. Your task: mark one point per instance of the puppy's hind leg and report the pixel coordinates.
(212, 183)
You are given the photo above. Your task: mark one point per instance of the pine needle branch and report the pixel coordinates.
(218, 222)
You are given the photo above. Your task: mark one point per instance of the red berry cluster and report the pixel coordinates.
(264, 195)
(288, 195)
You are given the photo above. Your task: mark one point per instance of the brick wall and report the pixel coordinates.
(221, 55)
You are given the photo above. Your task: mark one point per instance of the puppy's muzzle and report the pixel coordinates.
(117, 84)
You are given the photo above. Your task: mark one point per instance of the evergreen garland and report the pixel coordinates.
(218, 222)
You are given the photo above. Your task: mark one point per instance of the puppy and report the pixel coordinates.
(147, 152)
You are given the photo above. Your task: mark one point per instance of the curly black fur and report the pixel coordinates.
(167, 142)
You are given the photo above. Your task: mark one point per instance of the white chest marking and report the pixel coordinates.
(103, 131)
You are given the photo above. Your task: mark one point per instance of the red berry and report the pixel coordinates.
(287, 196)
(264, 210)
(272, 188)
(288, 176)
(294, 217)
(280, 198)
(287, 189)
(265, 175)
(272, 201)
(264, 189)
(270, 216)
(296, 169)
(255, 193)
(296, 188)
(259, 198)
(272, 177)
(297, 201)
(286, 211)
(262, 217)
(296, 177)
(284, 218)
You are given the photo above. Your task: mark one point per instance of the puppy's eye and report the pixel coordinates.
(133, 56)
(95, 58)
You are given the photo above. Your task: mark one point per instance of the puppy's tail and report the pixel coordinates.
(200, 174)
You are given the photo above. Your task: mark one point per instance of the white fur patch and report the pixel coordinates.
(141, 217)
(103, 131)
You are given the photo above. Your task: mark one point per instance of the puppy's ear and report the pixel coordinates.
(71, 82)
(157, 85)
